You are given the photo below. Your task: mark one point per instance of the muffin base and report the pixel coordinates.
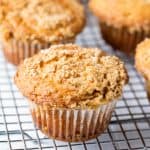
(121, 38)
(72, 125)
(16, 51)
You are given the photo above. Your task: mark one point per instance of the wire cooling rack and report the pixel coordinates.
(129, 128)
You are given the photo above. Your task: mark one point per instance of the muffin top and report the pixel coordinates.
(142, 58)
(133, 14)
(69, 76)
(44, 20)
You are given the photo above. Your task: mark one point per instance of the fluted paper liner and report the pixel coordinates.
(122, 38)
(72, 124)
(16, 51)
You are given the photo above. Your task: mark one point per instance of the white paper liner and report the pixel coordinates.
(16, 51)
(70, 124)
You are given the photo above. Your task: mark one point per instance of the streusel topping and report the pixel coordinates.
(71, 76)
(133, 14)
(48, 20)
(142, 58)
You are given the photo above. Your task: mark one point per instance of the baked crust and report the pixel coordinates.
(133, 14)
(43, 20)
(142, 58)
(69, 76)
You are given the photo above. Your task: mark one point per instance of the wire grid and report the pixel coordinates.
(129, 128)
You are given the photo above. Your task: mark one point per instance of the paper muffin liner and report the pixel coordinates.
(16, 51)
(72, 124)
(148, 89)
(122, 39)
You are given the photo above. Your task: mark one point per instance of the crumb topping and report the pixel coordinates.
(71, 76)
(133, 14)
(48, 20)
(142, 58)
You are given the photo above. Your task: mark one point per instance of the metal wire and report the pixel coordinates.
(129, 128)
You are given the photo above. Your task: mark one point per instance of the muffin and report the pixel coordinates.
(27, 26)
(142, 62)
(72, 91)
(123, 23)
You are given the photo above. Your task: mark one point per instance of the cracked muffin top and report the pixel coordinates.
(142, 58)
(133, 14)
(68, 76)
(45, 20)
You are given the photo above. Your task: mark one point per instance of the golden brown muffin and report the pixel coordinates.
(142, 61)
(69, 82)
(124, 23)
(27, 26)
(69, 76)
